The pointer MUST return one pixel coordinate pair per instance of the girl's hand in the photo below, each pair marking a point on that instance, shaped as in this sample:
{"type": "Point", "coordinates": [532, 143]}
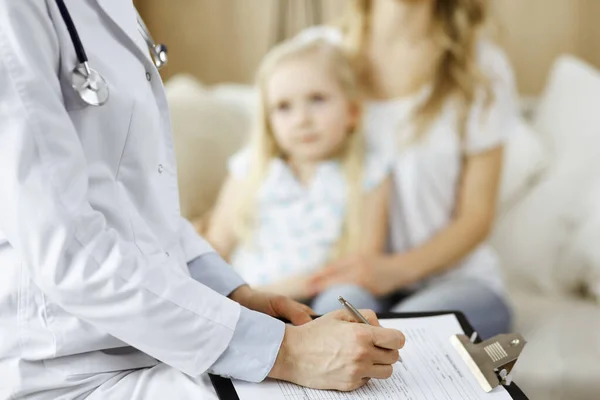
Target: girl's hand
{"type": "Point", "coordinates": [201, 224]}
{"type": "Point", "coordinates": [378, 274]}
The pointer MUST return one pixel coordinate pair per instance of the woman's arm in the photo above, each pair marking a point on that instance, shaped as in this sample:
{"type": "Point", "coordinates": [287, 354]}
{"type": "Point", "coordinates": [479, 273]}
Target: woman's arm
{"type": "Point", "coordinates": [219, 231]}
{"type": "Point", "coordinates": [475, 212]}
{"type": "Point", "coordinates": [473, 221]}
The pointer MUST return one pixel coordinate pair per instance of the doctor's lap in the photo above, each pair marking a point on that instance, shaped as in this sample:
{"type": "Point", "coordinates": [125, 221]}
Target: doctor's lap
{"type": "Point", "coordinates": [106, 291]}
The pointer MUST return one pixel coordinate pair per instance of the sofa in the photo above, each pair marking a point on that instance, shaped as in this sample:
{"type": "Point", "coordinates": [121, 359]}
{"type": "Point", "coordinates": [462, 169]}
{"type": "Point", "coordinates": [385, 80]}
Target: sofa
{"type": "Point", "coordinates": [547, 231]}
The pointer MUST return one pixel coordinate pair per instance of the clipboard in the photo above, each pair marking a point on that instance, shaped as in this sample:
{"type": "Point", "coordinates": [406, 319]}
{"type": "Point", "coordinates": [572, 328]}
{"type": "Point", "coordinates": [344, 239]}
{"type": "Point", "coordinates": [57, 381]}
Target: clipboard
{"type": "Point", "coordinates": [226, 391]}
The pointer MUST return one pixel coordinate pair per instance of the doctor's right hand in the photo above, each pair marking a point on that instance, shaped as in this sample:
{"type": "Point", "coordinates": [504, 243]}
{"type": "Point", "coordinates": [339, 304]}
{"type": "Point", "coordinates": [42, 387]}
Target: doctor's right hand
{"type": "Point", "coordinates": [335, 352]}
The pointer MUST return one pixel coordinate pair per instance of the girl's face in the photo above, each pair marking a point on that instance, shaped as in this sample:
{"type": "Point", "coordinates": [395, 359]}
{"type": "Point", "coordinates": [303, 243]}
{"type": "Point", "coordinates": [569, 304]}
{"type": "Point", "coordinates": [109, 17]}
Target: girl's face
{"type": "Point", "coordinates": [308, 111]}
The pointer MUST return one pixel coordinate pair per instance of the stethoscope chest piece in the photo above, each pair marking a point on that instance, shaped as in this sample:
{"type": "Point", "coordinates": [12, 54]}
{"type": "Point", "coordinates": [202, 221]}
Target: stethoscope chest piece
{"type": "Point", "coordinates": [87, 82]}
{"type": "Point", "coordinates": [90, 85]}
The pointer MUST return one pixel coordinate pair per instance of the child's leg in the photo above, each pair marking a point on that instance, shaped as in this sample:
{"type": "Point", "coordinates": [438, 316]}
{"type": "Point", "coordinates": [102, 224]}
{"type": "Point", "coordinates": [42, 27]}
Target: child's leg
{"type": "Point", "coordinates": [357, 296]}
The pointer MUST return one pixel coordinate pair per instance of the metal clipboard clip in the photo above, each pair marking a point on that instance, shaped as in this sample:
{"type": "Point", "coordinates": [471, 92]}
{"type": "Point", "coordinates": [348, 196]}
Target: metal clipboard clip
{"type": "Point", "coordinates": [492, 360]}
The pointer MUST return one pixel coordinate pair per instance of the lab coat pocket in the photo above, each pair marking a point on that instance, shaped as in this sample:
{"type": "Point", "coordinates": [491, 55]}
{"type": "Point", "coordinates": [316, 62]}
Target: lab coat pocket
{"type": "Point", "coordinates": [147, 182]}
{"type": "Point", "coordinates": [103, 133]}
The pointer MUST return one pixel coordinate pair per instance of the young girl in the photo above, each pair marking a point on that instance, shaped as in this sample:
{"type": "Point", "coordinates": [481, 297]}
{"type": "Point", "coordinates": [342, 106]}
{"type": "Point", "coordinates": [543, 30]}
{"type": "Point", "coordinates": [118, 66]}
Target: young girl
{"type": "Point", "coordinates": [303, 192]}
{"type": "Point", "coordinates": [441, 102]}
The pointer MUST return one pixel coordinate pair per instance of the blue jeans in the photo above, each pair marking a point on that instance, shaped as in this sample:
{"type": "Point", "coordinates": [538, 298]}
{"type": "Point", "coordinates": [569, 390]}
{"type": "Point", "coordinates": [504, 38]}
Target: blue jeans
{"type": "Point", "coordinates": [357, 296]}
{"type": "Point", "coordinates": [487, 312]}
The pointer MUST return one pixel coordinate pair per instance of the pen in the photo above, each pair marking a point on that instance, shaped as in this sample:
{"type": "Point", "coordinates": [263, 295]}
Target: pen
{"type": "Point", "coordinates": [356, 314]}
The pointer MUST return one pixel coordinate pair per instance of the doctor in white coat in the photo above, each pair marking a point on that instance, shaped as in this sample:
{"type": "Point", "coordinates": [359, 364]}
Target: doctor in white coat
{"type": "Point", "coordinates": [106, 292]}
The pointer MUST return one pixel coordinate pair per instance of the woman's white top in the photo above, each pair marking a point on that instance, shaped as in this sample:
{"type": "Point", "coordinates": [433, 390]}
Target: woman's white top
{"type": "Point", "coordinates": [297, 226]}
{"type": "Point", "coordinates": [426, 173]}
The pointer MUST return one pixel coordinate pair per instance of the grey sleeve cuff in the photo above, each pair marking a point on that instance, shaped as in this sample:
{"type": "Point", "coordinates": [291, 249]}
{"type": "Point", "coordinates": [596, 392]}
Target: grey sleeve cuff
{"type": "Point", "coordinates": [211, 270]}
{"type": "Point", "coordinates": [253, 349]}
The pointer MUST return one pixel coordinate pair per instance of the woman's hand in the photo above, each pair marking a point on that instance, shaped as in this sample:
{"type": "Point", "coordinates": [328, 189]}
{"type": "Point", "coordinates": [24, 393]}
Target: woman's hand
{"type": "Point", "coordinates": [378, 274]}
{"type": "Point", "coordinates": [335, 352]}
{"type": "Point", "coordinates": [272, 304]}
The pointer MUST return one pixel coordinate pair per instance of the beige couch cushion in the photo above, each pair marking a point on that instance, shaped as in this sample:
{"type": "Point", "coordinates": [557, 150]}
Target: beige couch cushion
{"type": "Point", "coordinates": [560, 360]}
{"type": "Point", "coordinates": [584, 246]}
{"type": "Point", "coordinates": [206, 131]}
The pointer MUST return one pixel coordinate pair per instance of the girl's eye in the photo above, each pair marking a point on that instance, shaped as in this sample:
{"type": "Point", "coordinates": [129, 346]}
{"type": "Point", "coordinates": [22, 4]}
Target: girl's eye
{"type": "Point", "coordinates": [318, 98]}
{"type": "Point", "coordinates": [283, 106]}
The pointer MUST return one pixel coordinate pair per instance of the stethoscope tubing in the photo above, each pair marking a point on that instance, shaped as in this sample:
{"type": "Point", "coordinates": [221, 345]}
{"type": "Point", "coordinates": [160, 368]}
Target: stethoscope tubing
{"type": "Point", "coordinates": [66, 16]}
{"type": "Point", "coordinates": [87, 82]}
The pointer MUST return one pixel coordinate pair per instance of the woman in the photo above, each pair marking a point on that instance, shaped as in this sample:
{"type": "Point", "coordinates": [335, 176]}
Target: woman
{"type": "Point", "coordinates": [441, 103]}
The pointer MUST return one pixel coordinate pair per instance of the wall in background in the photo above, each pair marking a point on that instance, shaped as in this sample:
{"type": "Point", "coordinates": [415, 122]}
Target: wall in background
{"type": "Point", "coordinates": [535, 32]}
{"type": "Point", "coordinates": [224, 40]}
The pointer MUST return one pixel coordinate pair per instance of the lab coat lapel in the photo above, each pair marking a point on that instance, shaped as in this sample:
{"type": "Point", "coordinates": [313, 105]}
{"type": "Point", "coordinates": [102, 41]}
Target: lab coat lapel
{"type": "Point", "coordinates": [123, 14]}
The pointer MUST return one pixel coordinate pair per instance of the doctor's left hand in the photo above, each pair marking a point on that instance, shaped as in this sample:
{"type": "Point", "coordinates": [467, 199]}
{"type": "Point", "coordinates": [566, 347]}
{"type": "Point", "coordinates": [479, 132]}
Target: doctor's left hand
{"type": "Point", "coordinates": [275, 305]}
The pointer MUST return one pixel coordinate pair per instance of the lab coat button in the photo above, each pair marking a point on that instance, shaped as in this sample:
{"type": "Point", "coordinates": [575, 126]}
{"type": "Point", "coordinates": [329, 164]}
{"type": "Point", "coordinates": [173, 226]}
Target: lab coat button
{"type": "Point", "coordinates": [160, 168]}
{"type": "Point", "coordinates": [148, 76]}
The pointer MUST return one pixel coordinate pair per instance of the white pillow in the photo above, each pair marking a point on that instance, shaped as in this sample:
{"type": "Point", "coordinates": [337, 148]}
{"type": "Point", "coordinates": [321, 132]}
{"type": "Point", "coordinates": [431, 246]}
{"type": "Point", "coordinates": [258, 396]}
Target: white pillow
{"type": "Point", "coordinates": [568, 115]}
{"type": "Point", "coordinates": [533, 238]}
{"type": "Point", "coordinates": [536, 238]}
{"type": "Point", "coordinates": [525, 158]}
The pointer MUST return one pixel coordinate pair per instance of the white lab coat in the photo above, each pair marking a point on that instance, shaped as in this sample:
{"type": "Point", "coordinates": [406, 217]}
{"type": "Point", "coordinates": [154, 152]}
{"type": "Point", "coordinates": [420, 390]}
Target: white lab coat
{"type": "Point", "coordinates": [93, 249]}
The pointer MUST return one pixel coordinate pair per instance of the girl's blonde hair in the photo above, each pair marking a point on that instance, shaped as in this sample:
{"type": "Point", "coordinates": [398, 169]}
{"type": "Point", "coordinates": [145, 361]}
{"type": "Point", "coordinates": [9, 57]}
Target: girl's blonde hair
{"type": "Point", "coordinates": [263, 147]}
{"type": "Point", "coordinates": [458, 25]}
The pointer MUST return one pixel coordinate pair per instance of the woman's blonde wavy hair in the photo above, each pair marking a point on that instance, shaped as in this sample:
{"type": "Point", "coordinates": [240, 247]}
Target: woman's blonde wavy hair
{"type": "Point", "coordinates": [263, 147]}
{"type": "Point", "coordinates": [458, 25]}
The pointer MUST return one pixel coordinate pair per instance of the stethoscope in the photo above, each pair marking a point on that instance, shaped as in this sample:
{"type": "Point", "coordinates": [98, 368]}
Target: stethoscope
{"type": "Point", "coordinates": [87, 82]}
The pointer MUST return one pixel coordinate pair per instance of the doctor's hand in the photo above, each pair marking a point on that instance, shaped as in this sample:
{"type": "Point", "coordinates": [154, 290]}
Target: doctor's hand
{"type": "Point", "coordinates": [334, 352]}
{"type": "Point", "coordinates": [272, 304]}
